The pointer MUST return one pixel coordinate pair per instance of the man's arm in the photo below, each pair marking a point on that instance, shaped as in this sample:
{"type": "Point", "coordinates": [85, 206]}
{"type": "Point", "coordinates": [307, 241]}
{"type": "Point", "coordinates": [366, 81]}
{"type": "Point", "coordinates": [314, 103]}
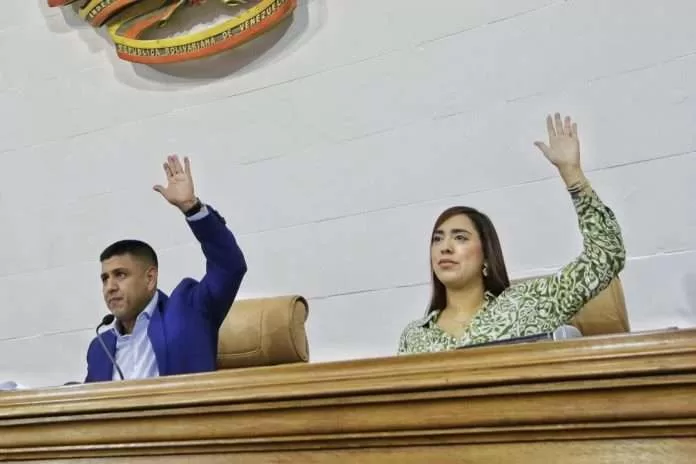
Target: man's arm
{"type": "Point", "coordinates": [225, 264]}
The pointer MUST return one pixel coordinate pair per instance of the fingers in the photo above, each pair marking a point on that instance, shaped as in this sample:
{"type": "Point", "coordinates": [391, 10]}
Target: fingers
{"type": "Point", "coordinates": [567, 128]}
{"type": "Point", "coordinates": [559, 124]}
{"type": "Point", "coordinates": [158, 188]}
{"type": "Point", "coordinates": [167, 170]}
{"type": "Point", "coordinates": [549, 126]}
{"type": "Point", "coordinates": [173, 166]}
{"type": "Point", "coordinates": [176, 164]}
{"type": "Point", "coordinates": [543, 147]}
{"type": "Point", "coordinates": [187, 166]}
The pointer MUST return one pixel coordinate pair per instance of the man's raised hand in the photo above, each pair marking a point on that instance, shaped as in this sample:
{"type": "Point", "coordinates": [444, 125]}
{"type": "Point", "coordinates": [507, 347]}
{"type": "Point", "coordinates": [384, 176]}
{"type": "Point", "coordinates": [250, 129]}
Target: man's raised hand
{"type": "Point", "coordinates": [179, 190]}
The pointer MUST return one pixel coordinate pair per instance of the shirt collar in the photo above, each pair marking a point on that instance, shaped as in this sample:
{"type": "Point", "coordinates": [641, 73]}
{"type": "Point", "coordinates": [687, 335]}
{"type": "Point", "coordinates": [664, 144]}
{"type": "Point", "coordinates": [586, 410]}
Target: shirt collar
{"type": "Point", "coordinates": [145, 314]}
{"type": "Point", "coordinates": [150, 308]}
{"type": "Point", "coordinates": [423, 321]}
{"type": "Point", "coordinates": [432, 315]}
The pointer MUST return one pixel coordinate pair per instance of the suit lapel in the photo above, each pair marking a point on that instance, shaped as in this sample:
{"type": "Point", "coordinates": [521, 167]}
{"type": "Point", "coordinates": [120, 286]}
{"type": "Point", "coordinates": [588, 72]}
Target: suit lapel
{"type": "Point", "coordinates": [157, 334]}
{"type": "Point", "coordinates": [103, 367]}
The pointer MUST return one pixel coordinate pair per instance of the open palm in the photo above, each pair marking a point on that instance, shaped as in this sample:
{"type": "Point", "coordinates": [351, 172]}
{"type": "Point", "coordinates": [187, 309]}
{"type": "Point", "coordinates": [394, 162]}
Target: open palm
{"type": "Point", "coordinates": [563, 149]}
{"type": "Point", "coordinates": [179, 190]}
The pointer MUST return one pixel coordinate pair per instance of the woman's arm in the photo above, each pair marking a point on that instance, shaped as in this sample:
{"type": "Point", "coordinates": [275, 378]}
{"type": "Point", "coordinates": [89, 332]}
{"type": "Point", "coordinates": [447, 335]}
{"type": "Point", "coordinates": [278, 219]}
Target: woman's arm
{"type": "Point", "coordinates": [544, 304]}
{"type": "Point", "coordinates": [603, 255]}
{"type": "Point", "coordinates": [402, 343]}
{"type": "Point", "coordinates": [602, 258]}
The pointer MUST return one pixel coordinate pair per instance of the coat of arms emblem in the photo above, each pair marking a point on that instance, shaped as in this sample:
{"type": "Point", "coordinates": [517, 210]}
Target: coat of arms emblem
{"type": "Point", "coordinates": [127, 21]}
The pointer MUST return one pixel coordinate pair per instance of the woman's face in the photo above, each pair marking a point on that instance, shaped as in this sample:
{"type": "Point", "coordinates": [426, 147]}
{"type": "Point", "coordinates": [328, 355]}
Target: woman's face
{"type": "Point", "coordinates": [456, 252]}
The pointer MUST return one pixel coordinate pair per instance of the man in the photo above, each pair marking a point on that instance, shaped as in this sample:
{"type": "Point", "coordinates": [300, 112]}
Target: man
{"type": "Point", "coordinates": [155, 334]}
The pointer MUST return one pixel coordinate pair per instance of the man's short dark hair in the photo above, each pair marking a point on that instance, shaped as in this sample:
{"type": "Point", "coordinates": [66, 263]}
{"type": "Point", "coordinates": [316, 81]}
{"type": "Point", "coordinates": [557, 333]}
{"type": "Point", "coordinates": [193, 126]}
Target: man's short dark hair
{"type": "Point", "coordinates": [136, 248]}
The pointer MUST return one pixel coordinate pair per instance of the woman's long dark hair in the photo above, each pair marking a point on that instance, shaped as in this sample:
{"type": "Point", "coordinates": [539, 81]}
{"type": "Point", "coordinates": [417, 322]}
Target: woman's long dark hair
{"type": "Point", "coordinates": [496, 280]}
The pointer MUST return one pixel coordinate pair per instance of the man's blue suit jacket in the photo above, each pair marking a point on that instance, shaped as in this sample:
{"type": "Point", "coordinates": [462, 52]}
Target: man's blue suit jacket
{"type": "Point", "coordinates": [184, 327]}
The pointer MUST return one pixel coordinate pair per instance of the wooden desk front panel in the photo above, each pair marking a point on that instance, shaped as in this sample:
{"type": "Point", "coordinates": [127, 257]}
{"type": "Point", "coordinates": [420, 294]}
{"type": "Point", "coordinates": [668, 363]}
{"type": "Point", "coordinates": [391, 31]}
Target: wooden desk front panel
{"type": "Point", "coordinates": [627, 398]}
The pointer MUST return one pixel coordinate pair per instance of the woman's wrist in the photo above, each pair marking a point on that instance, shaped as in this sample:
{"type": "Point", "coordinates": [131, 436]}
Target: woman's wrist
{"type": "Point", "coordinates": [572, 176]}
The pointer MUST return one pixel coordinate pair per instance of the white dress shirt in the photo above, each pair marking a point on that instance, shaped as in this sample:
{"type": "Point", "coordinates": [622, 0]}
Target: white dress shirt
{"type": "Point", "coordinates": [134, 353]}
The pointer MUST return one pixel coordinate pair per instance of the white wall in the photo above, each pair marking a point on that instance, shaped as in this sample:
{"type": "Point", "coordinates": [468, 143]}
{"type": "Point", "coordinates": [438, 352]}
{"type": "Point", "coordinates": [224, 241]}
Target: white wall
{"type": "Point", "coordinates": [330, 145]}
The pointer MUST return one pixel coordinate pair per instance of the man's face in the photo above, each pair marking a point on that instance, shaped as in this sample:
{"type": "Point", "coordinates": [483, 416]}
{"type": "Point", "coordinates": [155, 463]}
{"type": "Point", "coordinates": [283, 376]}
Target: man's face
{"type": "Point", "coordinates": [128, 284]}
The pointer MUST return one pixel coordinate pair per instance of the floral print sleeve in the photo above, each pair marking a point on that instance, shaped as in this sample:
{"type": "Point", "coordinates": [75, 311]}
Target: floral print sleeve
{"type": "Point", "coordinates": [542, 304]}
{"type": "Point", "coordinates": [402, 342]}
{"type": "Point", "coordinates": [555, 299]}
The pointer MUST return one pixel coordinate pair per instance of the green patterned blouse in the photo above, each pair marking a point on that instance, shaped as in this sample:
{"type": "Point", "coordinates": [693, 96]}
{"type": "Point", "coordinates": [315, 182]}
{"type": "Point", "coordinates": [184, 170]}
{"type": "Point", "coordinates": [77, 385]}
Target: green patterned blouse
{"type": "Point", "coordinates": [537, 305]}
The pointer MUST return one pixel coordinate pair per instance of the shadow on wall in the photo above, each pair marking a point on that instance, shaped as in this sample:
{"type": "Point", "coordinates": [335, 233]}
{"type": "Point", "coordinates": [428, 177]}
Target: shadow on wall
{"type": "Point", "coordinates": [280, 41]}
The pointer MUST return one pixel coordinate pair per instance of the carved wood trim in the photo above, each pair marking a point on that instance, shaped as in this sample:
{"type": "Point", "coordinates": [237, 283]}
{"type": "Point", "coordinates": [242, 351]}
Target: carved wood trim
{"type": "Point", "coordinates": [621, 387]}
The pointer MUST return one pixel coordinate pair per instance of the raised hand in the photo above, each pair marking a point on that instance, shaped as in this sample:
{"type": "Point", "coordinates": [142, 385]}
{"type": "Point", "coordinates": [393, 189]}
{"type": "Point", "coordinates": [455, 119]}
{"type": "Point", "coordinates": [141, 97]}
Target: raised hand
{"type": "Point", "coordinates": [179, 190]}
{"type": "Point", "coordinates": [563, 149]}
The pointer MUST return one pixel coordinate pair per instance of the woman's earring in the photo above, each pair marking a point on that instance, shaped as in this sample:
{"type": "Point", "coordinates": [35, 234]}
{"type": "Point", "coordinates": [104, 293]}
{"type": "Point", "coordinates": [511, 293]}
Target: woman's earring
{"type": "Point", "coordinates": [485, 270]}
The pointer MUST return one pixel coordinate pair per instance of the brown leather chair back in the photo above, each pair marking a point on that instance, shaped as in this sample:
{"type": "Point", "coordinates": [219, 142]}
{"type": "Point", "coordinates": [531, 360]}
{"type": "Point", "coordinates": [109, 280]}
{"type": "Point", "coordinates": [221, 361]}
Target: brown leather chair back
{"type": "Point", "coordinates": [264, 332]}
{"type": "Point", "coordinates": [605, 313]}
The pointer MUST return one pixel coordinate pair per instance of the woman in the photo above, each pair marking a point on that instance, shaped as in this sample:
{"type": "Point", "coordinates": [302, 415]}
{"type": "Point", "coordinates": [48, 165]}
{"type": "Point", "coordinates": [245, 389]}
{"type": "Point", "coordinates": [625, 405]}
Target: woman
{"type": "Point", "coordinates": [472, 300]}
